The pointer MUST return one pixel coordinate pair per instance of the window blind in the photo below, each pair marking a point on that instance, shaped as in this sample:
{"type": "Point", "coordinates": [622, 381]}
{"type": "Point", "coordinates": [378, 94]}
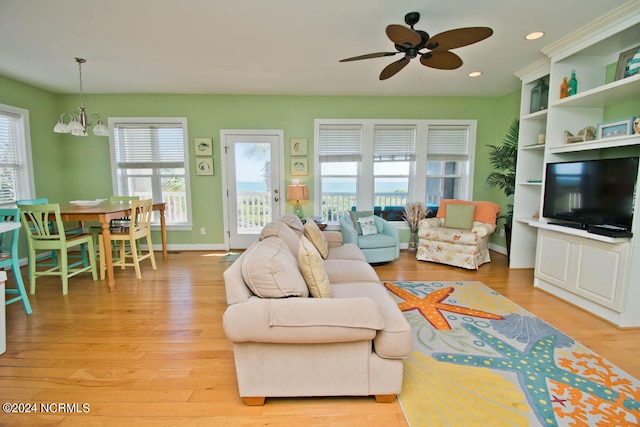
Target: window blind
{"type": "Point", "coordinates": [340, 143]}
{"type": "Point", "coordinates": [394, 143]}
{"type": "Point", "coordinates": [137, 145]}
{"type": "Point", "coordinates": [12, 157]}
{"type": "Point", "coordinates": [448, 143]}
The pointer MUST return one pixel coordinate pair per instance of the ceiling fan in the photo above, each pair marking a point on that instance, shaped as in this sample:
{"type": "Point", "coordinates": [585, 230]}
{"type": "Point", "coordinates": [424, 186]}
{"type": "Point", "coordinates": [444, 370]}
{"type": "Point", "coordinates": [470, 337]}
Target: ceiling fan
{"type": "Point", "coordinates": [411, 42]}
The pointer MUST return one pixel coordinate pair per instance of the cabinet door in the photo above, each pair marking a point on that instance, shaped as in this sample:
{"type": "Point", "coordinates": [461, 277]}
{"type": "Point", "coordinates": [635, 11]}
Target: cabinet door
{"type": "Point", "coordinates": [553, 260]}
{"type": "Point", "coordinates": [599, 272]}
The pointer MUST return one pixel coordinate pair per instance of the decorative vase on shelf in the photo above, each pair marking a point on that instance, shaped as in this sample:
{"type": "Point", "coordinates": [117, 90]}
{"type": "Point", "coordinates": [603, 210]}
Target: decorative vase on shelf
{"type": "Point", "coordinates": [564, 88]}
{"type": "Point", "coordinates": [573, 83]}
{"type": "Point", "coordinates": [413, 241]}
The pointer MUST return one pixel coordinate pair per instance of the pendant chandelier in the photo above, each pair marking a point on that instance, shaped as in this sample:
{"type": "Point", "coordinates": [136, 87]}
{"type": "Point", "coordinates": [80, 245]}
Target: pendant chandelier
{"type": "Point", "coordinates": [78, 120]}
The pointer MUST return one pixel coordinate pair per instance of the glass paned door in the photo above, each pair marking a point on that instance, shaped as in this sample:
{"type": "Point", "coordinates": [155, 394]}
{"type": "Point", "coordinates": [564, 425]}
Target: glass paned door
{"type": "Point", "coordinates": [253, 185]}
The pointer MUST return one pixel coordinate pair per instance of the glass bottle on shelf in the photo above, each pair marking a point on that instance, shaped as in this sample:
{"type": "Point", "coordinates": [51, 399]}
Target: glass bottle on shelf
{"type": "Point", "coordinates": [573, 83]}
{"type": "Point", "coordinates": [564, 88]}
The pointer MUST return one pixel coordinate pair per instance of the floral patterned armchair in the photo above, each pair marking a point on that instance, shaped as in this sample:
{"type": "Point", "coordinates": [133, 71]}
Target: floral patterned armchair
{"type": "Point", "coordinates": [460, 247]}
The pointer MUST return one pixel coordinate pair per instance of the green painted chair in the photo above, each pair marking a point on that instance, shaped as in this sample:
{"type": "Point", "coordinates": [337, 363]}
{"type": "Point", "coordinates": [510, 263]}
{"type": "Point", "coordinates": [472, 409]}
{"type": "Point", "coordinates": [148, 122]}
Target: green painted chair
{"type": "Point", "coordinates": [9, 258]}
{"type": "Point", "coordinates": [40, 236]}
{"type": "Point", "coordinates": [52, 254]}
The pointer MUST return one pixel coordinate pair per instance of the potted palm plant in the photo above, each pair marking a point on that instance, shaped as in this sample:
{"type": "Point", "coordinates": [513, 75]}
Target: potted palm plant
{"type": "Point", "coordinates": [503, 158]}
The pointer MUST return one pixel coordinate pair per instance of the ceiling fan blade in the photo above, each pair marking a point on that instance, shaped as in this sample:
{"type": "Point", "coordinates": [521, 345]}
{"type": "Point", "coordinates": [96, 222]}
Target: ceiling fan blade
{"type": "Point", "coordinates": [368, 56]}
{"type": "Point", "coordinates": [453, 39]}
{"type": "Point", "coordinates": [442, 60]}
{"type": "Point", "coordinates": [403, 36]}
{"type": "Point", "coordinates": [391, 69]}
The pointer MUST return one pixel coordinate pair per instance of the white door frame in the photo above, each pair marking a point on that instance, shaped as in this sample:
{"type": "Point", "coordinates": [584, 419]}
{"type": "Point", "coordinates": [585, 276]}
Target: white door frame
{"type": "Point", "coordinates": [223, 148]}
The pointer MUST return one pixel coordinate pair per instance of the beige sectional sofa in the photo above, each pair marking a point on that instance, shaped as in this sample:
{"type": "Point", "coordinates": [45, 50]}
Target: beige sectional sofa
{"type": "Point", "coordinates": [308, 316]}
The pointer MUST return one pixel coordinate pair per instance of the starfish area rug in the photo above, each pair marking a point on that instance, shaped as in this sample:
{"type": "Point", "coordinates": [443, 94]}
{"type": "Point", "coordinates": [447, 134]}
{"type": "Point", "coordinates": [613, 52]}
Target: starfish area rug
{"type": "Point", "coordinates": [479, 359]}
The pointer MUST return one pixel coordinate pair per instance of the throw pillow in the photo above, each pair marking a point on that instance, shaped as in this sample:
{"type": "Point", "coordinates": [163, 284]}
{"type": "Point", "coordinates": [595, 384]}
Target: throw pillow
{"type": "Point", "coordinates": [313, 233]}
{"type": "Point", "coordinates": [293, 222]}
{"type": "Point", "coordinates": [486, 212]}
{"type": "Point", "coordinates": [354, 218]}
{"type": "Point", "coordinates": [368, 225]}
{"type": "Point", "coordinates": [312, 269]}
{"type": "Point", "coordinates": [283, 231]}
{"type": "Point", "coordinates": [460, 216]}
{"type": "Point", "coordinates": [271, 271]}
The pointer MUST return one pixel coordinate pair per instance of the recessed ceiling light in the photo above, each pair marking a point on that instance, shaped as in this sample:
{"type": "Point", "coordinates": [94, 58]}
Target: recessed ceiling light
{"type": "Point", "coordinates": [475, 73]}
{"type": "Point", "coordinates": [534, 36]}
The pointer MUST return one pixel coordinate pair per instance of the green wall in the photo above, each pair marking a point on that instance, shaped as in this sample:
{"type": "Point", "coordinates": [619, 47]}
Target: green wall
{"type": "Point", "coordinates": [69, 168]}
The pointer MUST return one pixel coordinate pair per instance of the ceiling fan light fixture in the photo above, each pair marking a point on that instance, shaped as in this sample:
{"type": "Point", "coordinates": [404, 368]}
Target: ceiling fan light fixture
{"type": "Point", "coordinates": [534, 35]}
{"type": "Point", "coordinates": [475, 74]}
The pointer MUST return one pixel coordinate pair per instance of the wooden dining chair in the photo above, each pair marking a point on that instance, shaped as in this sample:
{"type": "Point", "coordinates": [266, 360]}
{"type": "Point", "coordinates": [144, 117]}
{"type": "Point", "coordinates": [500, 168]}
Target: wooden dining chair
{"type": "Point", "coordinates": [128, 237]}
{"type": "Point", "coordinates": [41, 236]}
{"type": "Point", "coordinates": [52, 254]}
{"type": "Point", "coordinates": [9, 258]}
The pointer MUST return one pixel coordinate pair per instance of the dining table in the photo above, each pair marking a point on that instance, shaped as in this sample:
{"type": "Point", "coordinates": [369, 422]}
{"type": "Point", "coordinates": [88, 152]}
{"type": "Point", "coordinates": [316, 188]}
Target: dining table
{"type": "Point", "coordinates": [104, 213]}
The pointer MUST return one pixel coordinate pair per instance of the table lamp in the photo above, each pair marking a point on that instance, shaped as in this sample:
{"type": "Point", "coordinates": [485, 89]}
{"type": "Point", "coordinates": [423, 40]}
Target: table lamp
{"type": "Point", "coordinates": [297, 192]}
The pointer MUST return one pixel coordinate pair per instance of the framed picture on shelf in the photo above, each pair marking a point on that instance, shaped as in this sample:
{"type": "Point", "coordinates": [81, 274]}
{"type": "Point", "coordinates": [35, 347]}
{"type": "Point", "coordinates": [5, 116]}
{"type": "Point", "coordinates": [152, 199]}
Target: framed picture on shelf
{"type": "Point", "coordinates": [204, 166]}
{"type": "Point", "coordinates": [203, 146]}
{"type": "Point", "coordinates": [628, 63]}
{"type": "Point", "coordinates": [299, 167]}
{"type": "Point", "coordinates": [615, 128]}
{"type": "Point", "coordinates": [298, 146]}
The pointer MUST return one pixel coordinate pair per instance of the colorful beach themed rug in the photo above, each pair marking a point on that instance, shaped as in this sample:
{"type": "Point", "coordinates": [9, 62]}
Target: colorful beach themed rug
{"type": "Point", "coordinates": [479, 359]}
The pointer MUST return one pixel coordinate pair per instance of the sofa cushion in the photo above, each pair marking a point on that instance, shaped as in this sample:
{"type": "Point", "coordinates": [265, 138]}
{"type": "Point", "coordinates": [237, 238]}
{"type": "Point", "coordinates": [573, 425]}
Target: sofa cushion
{"type": "Point", "coordinates": [349, 271]}
{"type": "Point", "coordinates": [460, 216]}
{"type": "Point", "coordinates": [283, 231]}
{"type": "Point", "coordinates": [346, 251]}
{"type": "Point", "coordinates": [486, 212]}
{"type": "Point", "coordinates": [396, 338]}
{"type": "Point", "coordinates": [376, 241]}
{"type": "Point", "coordinates": [312, 269]}
{"type": "Point", "coordinates": [293, 222]}
{"type": "Point", "coordinates": [313, 233]}
{"type": "Point", "coordinates": [270, 270]}
{"type": "Point", "coordinates": [368, 225]}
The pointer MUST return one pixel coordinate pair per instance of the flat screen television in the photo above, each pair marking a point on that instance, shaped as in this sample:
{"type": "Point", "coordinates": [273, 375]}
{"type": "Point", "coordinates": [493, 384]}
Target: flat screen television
{"type": "Point", "coordinates": [591, 192]}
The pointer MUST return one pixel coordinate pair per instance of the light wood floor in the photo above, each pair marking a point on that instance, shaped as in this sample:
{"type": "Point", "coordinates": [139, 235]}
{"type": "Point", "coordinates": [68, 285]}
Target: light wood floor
{"type": "Point", "coordinates": [153, 353]}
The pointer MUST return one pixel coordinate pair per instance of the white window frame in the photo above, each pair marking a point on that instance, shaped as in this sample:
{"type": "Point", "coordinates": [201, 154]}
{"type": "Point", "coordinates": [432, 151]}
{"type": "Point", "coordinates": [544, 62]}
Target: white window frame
{"type": "Point", "coordinates": [418, 178]}
{"type": "Point", "coordinates": [182, 121]}
{"type": "Point", "coordinates": [26, 188]}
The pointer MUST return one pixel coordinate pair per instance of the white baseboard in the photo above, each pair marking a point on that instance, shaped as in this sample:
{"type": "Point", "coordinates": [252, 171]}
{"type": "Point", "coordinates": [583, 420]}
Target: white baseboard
{"type": "Point", "coordinates": [500, 249]}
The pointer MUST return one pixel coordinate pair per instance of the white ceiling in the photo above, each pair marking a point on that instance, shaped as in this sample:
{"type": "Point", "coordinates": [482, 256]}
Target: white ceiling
{"type": "Point", "coordinates": [271, 46]}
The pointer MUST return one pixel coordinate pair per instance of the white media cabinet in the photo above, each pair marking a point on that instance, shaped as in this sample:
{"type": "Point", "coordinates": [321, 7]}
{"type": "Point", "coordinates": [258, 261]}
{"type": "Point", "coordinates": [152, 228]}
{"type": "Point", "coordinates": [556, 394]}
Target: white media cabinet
{"type": "Point", "coordinates": [597, 273]}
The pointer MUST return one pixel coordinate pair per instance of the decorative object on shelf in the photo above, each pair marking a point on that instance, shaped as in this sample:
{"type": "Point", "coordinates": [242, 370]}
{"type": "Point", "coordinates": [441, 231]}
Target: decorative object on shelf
{"type": "Point", "coordinates": [573, 83]}
{"type": "Point", "coordinates": [203, 146]}
{"type": "Point", "coordinates": [539, 97]}
{"type": "Point", "coordinates": [503, 158]}
{"type": "Point", "coordinates": [297, 192]}
{"type": "Point", "coordinates": [628, 63]}
{"type": "Point", "coordinates": [204, 166]}
{"type": "Point", "coordinates": [615, 128]}
{"type": "Point", "coordinates": [586, 134]}
{"type": "Point", "coordinates": [541, 138]}
{"type": "Point", "coordinates": [78, 121]}
{"type": "Point", "coordinates": [564, 88]}
{"type": "Point", "coordinates": [636, 126]}
{"type": "Point", "coordinates": [414, 212]}
{"type": "Point", "coordinates": [298, 146]}
{"type": "Point", "coordinates": [299, 167]}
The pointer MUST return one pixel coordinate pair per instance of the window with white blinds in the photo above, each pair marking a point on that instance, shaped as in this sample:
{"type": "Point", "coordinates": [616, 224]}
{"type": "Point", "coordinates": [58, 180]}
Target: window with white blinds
{"type": "Point", "coordinates": [448, 142]}
{"type": "Point", "coordinates": [340, 143]}
{"type": "Point", "coordinates": [149, 160]}
{"type": "Point", "coordinates": [16, 178]}
{"type": "Point", "coordinates": [381, 164]}
{"type": "Point", "coordinates": [394, 143]}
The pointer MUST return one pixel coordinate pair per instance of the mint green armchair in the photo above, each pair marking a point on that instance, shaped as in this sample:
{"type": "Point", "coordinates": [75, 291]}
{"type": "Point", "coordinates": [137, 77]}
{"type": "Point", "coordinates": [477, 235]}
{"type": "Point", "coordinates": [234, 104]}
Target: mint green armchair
{"type": "Point", "coordinates": [384, 246]}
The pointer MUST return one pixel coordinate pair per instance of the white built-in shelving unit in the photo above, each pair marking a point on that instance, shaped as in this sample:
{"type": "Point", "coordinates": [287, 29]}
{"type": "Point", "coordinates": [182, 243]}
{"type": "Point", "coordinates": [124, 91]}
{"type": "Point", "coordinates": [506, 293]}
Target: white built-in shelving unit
{"type": "Point", "coordinates": [597, 273]}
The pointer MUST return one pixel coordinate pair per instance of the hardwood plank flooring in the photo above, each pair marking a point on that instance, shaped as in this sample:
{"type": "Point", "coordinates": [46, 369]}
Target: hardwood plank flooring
{"type": "Point", "coordinates": [153, 352]}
